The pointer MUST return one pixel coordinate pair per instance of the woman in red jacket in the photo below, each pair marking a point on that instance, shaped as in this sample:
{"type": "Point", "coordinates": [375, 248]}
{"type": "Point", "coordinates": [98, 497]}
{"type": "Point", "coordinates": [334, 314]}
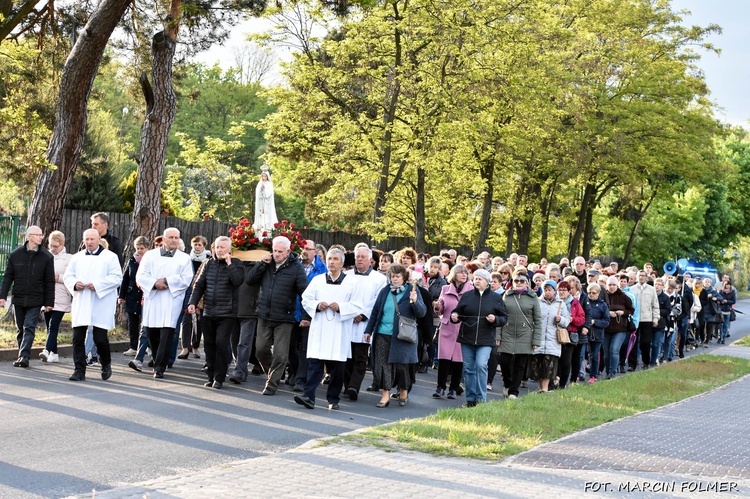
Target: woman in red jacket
{"type": "Point", "coordinates": [577, 319]}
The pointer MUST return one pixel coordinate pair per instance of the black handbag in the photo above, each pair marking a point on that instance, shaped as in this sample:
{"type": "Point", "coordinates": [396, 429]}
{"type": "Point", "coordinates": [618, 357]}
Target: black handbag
{"type": "Point", "coordinates": [407, 328]}
{"type": "Point", "coordinates": [573, 338]}
{"type": "Point", "coordinates": [631, 324]}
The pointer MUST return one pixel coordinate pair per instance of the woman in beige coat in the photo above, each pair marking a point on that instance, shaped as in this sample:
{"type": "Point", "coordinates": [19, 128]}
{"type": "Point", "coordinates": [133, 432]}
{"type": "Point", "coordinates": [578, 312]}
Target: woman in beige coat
{"type": "Point", "coordinates": [63, 297]}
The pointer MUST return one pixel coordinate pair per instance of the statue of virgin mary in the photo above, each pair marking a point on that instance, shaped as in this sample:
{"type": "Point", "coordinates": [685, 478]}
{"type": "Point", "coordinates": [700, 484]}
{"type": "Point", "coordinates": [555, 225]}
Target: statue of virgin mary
{"type": "Point", "coordinates": [265, 210]}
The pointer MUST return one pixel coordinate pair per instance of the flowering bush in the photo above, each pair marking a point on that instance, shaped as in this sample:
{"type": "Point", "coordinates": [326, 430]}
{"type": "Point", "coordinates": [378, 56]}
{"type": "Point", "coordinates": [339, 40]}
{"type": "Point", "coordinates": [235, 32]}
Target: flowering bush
{"type": "Point", "coordinates": [244, 237]}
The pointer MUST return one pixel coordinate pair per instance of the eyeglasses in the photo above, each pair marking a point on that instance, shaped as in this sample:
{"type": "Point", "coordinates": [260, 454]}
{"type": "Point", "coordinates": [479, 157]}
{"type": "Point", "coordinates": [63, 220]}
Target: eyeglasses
{"type": "Point", "coordinates": [504, 273]}
{"type": "Point", "coordinates": [40, 235]}
{"type": "Point", "coordinates": [519, 280]}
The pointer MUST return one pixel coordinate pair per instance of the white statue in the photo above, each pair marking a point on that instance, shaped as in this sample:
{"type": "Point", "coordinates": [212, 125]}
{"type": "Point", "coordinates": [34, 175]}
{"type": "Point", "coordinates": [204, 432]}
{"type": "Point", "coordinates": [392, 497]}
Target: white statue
{"type": "Point", "coordinates": [265, 209]}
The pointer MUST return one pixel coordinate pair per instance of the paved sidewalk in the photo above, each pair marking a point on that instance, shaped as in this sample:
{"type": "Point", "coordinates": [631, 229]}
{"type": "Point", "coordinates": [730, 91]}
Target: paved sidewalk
{"type": "Point", "coordinates": [700, 445]}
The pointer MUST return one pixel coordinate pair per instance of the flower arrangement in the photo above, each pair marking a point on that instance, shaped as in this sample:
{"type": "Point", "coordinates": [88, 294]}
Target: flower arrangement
{"type": "Point", "coordinates": [244, 237]}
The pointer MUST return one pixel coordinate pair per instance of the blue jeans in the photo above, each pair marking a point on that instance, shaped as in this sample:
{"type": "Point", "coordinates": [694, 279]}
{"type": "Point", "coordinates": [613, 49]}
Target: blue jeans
{"type": "Point", "coordinates": [142, 346]}
{"type": "Point", "coordinates": [657, 343]}
{"type": "Point", "coordinates": [725, 326]}
{"type": "Point", "coordinates": [594, 348]}
{"type": "Point", "coordinates": [90, 345]}
{"type": "Point", "coordinates": [52, 320]}
{"type": "Point", "coordinates": [612, 344]}
{"type": "Point", "coordinates": [475, 371]}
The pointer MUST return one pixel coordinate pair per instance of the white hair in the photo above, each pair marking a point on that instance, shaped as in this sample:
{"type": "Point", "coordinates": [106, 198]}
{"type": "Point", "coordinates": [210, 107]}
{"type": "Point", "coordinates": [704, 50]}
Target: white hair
{"type": "Point", "coordinates": [363, 248]}
{"type": "Point", "coordinates": [283, 241]}
{"type": "Point", "coordinates": [337, 252]}
{"type": "Point", "coordinates": [224, 239]}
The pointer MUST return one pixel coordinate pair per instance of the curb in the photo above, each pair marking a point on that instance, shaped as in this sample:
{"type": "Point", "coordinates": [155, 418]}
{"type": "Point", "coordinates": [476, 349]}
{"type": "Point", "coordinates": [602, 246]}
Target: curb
{"type": "Point", "coordinates": [11, 354]}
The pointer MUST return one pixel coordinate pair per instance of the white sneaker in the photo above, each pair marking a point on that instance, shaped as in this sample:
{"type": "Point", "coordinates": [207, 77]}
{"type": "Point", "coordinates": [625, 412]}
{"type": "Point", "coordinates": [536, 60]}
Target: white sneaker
{"type": "Point", "coordinates": [44, 354]}
{"type": "Point", "coordinates": [53, 357]}
{"type": "Point", "coordinates": [130, 352]}
{"type": "Point", "coordinates": [489, 387]}
{"type": "Point", "coordinates": [512, 397]}
{"type": "Point", "coordinates": [136, 364]}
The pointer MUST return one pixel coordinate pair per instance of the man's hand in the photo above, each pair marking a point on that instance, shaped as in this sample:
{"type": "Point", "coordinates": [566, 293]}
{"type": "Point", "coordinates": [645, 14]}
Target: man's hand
{"type": "Point", "coordinates": [121, 300]}
{"type": "Point", "coordinates": [367, 338]}
{"type": "Point", "coordinates": [322, 306]}
{"type": "Point", "coordinates": [161, 284]}
{"type": "Point", "coordinates": [191, 309]}
{"type": "Point", "coordinates": [359, 319]}
{"type": "Point", "coordinates": [491, 318]}
{"type": "Point", "coordinates": [90, 286]}
{"type": "Point", "coordinates": [79, 286]}
{"type": "Point", "coordinates": [48, 309]}
{"type": "Point", "coordinates": [267, 259]}
{"type": "Point", "coordinates": [304, 323]}
{"type": "Point", "coordinates": [228, 259]}
{"type": "Point", "coordinates": [655, 323]}
{"type": "Point", "coordinates": [334, 306]}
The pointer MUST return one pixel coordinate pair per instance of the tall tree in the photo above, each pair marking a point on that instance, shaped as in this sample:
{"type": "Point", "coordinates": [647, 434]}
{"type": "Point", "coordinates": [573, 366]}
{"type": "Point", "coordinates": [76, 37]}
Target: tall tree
{"type": "Point", "coordinates": [65, 147]}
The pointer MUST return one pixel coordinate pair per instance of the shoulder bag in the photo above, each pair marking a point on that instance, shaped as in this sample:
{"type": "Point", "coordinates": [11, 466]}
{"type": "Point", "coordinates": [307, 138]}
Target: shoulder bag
{"type": "Point", "coordinates": [407, 328]}
{"type": "Point", "coordinates": [563, 337]}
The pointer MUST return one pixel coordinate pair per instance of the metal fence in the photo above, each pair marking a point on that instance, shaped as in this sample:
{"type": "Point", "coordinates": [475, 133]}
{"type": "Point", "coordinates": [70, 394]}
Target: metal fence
{"type": "Point", "coordinates": [10, 226]}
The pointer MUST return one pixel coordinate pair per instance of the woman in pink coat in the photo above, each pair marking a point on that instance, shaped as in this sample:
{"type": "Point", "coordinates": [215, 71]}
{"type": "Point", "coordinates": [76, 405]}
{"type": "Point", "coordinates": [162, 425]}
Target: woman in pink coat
{"type": "Point", "coordinates": [450, 361]}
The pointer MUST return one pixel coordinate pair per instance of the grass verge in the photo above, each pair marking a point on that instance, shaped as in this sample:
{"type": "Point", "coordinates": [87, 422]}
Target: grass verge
{"type": "Point", "coordinates": [501, 428]}
{"type": "Point", "coordinates": [744, 342]}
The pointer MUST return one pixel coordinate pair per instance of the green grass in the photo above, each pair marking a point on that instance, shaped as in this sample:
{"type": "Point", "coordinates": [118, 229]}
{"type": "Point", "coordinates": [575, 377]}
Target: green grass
{"type": "Point", "coordinates": [744, 342]}
{"type": "Point", "coordinates": [501, 428]}
{"type": "Point", "coordinates": [8, 333]}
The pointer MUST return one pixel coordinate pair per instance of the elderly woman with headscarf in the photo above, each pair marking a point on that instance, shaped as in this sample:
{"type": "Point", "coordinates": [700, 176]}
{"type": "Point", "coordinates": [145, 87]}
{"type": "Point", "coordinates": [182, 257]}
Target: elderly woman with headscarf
{"type": "Point", "coordinates": [620, 308]}
{"type": "Point", "coordinates": [481, 312]}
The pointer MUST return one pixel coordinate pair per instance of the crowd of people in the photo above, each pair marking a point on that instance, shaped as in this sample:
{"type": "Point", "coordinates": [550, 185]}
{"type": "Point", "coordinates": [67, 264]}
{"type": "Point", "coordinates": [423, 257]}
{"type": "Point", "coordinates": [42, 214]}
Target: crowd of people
{"type": "Point", "coordinates": [328, 315]}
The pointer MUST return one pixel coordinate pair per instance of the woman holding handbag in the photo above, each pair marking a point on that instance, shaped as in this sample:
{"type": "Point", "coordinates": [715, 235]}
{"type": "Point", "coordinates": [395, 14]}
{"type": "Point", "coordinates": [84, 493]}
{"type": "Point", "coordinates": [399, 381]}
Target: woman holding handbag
{"type": "Point", "coordinates": [571, 351]}
{"type": "Point", "coordinates": [391, 355]}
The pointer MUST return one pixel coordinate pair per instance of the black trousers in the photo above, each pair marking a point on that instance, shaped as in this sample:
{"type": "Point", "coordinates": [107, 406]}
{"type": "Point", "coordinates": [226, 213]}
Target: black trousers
{"type": "Point", "coordinates": [356, 366]}
{"type": "Point", "coordinates": [79, 347]}
{"type": "Point", "coordinates": [645, 333]}
{"type": "Point", "coordinates": [513, 368]}
{"type": "Point", "coordinates": [455, 369]}
{"type": "Point", "coordinates": [565, 363]}
{"type": "Point", "coordinates": [217, 333]}
{"type": "Point", "coordinates": [160, 339]}
{"type": "Point", "coordinates": [134, 329]}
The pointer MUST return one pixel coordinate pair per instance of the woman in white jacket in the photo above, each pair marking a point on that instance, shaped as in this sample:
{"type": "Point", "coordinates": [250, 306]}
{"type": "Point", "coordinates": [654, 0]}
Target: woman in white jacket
{"type": "Point", "coordinates": [52, 318]}
{"type": "Point", "coordinates": [543, 366]}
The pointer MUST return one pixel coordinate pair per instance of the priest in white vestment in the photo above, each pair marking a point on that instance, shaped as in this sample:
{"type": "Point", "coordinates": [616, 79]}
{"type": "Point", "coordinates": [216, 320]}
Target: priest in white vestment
{"type": "Point", "coordinates": [164, 275]}
{"type": "Point", "coordinates": [92, 277]}
{"type": "Point", "coordinates": [367, 285]}
{"type": "Point", "coordinates": [327, 300]}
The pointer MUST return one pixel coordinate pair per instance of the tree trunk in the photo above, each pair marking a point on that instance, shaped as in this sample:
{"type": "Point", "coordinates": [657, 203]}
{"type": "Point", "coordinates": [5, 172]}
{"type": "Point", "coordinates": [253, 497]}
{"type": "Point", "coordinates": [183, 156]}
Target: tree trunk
{"type": "Point", "coordinates": [509, 238]}
{"type": "Point", "coordinates": [488, 177]}
{"type": "Point", "coordinates": [160, 114]}
{"type": "Point", "coordinates": [633, 233]}
{"type": "Point", "coordinates": [588, 233]}
{"type": "Point", "coordinates": [575, 241]}
{"type": "Point", "coordinates": [546, 207]}
{"type": "Point", "coordinates": [420, 239]}
{"type": "Point", "coordinates": [64, 150]}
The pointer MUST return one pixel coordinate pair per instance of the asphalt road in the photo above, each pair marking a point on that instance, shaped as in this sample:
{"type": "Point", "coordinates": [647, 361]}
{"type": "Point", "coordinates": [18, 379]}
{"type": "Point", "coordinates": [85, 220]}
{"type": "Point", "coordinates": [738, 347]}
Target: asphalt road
{"type": "Point", "coordinates": [61, 438]}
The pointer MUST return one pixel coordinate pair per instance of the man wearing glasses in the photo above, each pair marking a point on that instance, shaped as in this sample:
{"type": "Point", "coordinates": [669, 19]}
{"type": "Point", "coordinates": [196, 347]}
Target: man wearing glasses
{"type": "Point", "coordinates": [31, 271]}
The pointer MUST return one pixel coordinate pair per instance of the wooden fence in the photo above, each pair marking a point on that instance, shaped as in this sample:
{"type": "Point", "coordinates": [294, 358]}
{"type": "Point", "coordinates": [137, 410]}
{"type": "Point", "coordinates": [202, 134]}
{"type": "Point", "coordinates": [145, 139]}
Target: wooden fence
{"type": "Point", "coordinates": [74, 222]}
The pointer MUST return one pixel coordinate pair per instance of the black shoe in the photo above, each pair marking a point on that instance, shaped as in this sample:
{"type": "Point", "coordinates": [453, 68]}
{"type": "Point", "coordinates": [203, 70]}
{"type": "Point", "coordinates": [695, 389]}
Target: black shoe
{"type": "Point", "coordinates": [183, 356]}
{"type": "Point", "coordinates": [682, 355]}
{"type": "Point", "coordinates": [77, 376]}
{"type": "Point", "coordinates": [470, 403]}
{"type": "Point", "coordinates": [218, 384]}
{"type": "Point", "coordinates": [302, 400]}
{"type": "Point", "coordinates": [158, 374]}
{"type": "Point", "coordinates": [209, 383]}
{"type": "Point", "coordinates": [235, 379]}
{"type": "Point", "coordinates": [371, 389]}
{"type": "Point", "coordinates": [327, 379]}
{"type": "Point", "coordinates": [204, 368]}
{"type": "Point", "coordinates": [352, 393]}
{"type": "Point", "coordinates": [269, 391]}
{"type": "Point", "coordinates": [256, 371]}
{"type": "Point", "coordinates": [169, 365]}
{"type": "Point", "coordinates": [402, 402]}
{"type": "Point", "coordinates": [21, 362]}
{"type": "Point", "coordinates": [383, 404]}
{"type": "Point", "coordinates": [334, 406]}
{"type": "Point", "coordinates": [422, 369]}
{"type": "Point", "coordinates": [299, 387]}
{"type": "Point", "coordinates": [151, 363]}
{"type": "Point", "coordinates": [106, 372]}
{"type": "Point", "coordinates": [459, 390]}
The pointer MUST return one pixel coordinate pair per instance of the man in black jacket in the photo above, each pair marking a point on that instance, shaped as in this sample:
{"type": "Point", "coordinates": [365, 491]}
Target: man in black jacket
{"type": "Point", "coordinates": [282, 278]}
{"type": "Point", "coordinates": [218, 283]}
{"type": "Point", "coordinates": [31, 271]}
